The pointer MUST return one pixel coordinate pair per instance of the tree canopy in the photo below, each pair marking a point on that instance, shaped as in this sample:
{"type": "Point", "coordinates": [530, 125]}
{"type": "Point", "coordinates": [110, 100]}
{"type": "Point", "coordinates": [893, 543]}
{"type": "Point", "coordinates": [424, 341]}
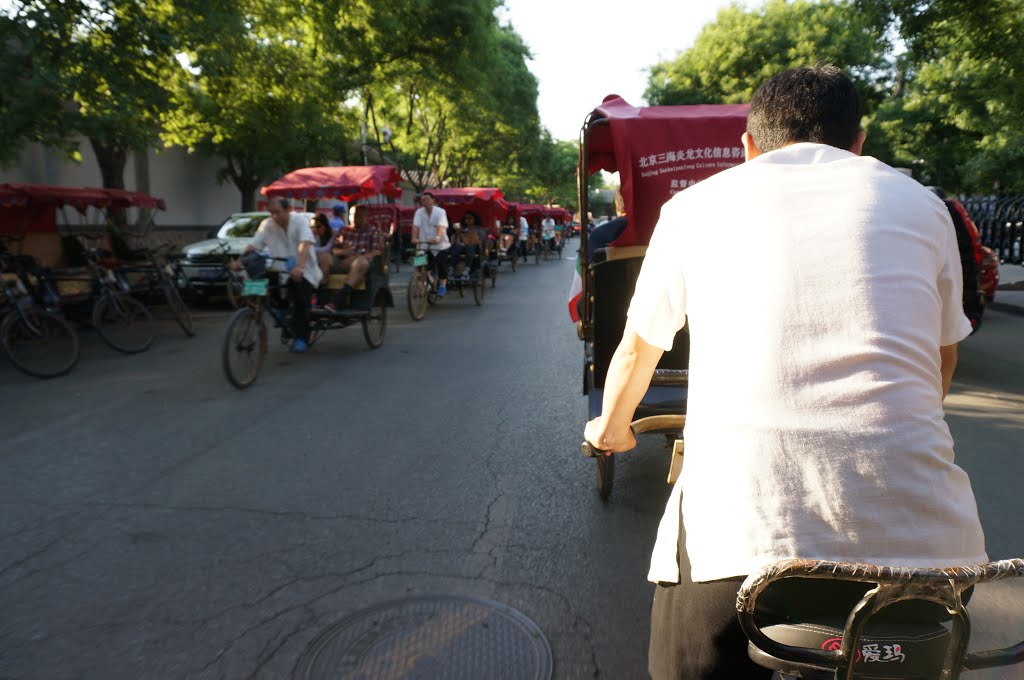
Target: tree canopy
{"type": "Point", "coordinates": [440, 88]}
{"type": "Point", "coordinates": [940, 78]}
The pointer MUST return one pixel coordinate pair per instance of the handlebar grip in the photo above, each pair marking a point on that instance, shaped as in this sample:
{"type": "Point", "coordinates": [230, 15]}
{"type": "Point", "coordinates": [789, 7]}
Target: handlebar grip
{"type": "Point", "coordinates": [591, 451]}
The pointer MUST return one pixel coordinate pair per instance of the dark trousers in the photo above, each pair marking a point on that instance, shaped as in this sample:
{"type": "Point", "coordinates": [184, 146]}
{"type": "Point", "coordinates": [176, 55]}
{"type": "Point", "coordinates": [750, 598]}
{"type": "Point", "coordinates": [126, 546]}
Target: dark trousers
{"type": "Point", "coordinates": [441, 262]}
{"type": "Point", "coordinates": [470, 252]}
{"type": "Point", "coordinates": [301, 295]}
{"type": "Point", "coordinates": [696, 635]}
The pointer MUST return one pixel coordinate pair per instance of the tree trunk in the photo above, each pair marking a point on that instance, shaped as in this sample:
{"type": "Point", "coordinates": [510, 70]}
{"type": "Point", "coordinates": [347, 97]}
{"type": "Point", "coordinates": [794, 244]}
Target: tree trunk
{"type": "Point", "coordinates": [247, 186]}
{"type": "Point", "coordinates": [111, 160]}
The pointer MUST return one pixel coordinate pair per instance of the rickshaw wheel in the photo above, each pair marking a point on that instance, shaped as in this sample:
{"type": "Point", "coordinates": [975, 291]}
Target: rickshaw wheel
{"type": "Point", "coordinates": [375, 325]}
{"type": "Point", "coordinates": [515, 263]}
{"type": "Point", "coordinates": [245, 345]}
{"type": "Point", "coordinates": [416, 296]}
{"type": "Point", "coordinates": [536, 255]}
{"type": "Point", "coordinates": [605, 476]}
{"type": "Point", "coordinates": [38, 343]}
{"type": "Point", "coordinates": [494, 277]}
{"type": "Point", "coordinates": [123, 322]}
{"type": "Point", "coordinates": [478, 290]}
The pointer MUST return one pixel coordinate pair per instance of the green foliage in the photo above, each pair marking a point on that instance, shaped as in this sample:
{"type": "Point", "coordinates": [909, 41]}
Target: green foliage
{"type": "Point", "coordinates": [733, 55]}
{"type": "Point", "coordinates": [93, 67]}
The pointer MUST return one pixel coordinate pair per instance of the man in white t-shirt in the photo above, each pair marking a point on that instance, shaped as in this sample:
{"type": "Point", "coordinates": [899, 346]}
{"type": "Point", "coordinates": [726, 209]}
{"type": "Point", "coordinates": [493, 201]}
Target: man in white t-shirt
{"type": "Point", "coordinates": [814, 418]}
{"type": "Point", "coordinates": [524, 236]}
{"type": "Point", "coordinates": [430, 227]}
{"type": "Point", "coordinates": [288, 235]}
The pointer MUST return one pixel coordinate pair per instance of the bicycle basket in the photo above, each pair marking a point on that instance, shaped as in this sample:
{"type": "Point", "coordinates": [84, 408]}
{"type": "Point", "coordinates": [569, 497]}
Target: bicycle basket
{"type": "Point", "coordinates": [255, 265]}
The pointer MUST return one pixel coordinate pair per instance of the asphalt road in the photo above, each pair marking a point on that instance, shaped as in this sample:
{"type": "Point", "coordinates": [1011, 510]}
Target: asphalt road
{"type": "Point", "coordinates": [157, 523]}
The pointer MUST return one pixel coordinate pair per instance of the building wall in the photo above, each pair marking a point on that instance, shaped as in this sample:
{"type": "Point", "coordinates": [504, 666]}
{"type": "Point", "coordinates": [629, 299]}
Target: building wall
{"type": "Point", "coordinates": [187, 182]}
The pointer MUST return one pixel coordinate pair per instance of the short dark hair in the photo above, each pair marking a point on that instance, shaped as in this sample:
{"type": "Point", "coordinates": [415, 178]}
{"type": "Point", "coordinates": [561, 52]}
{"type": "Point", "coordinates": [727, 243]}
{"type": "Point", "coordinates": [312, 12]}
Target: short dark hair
{"type": "Point", "coordinates": [282, 202]}
{"type": "Point", "coordinates": [806, 104]}
{"type": "Point", "coordinates": [427, 193]}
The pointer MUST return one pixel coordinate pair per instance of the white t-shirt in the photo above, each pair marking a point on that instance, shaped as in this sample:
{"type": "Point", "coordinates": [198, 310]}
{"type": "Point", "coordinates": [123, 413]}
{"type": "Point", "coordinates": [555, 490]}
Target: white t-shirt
{"type": "Point", "coordinates": [524, 229]}
{"type": "Point", "coordinates": [547, 226]}
{"type": "Point", "coordinates": [426, 227]}
{"type": "Point", "coordinates": [285, 243]}
{"type": "Point", "coordinates": [814, 423]}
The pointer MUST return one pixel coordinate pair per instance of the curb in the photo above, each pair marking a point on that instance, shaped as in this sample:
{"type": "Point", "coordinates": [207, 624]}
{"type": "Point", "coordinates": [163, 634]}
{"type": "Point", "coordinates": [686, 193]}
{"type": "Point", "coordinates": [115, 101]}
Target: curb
{"type": "Point", "coordinates": [1016, 310]}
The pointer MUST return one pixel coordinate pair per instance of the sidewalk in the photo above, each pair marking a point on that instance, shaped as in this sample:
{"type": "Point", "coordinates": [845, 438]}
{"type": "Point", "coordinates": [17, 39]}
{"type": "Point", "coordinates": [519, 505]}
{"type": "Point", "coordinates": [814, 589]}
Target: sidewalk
{"type": "Point", "coordinates": [1010, 294]}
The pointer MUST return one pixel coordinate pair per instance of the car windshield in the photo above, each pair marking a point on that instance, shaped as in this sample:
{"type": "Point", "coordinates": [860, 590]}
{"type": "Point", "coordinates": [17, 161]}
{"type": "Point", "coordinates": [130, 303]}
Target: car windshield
{"type": "Point", "coordinates": [240, 226]}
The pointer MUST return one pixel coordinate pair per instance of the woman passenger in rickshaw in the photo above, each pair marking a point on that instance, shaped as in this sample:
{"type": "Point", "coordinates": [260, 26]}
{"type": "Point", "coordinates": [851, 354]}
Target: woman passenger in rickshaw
{"type": "Point", "coordinates": [353, 252]}
{"type": "Point", "coordinates": [469, 239]}
{"type": "Point", "coordinates": [325, 236]}
{"type": "Point", "coordinates": [509, 238]}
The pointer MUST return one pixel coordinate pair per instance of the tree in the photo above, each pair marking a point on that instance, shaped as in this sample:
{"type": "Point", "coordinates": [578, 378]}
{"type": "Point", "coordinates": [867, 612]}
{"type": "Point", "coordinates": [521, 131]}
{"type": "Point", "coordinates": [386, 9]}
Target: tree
{"type": "Point", "coordinates": [106, 62]}
{"type": "Point", "coordinates": [742, 48]}
{"type": "Point", "coordinates": [956, 115]}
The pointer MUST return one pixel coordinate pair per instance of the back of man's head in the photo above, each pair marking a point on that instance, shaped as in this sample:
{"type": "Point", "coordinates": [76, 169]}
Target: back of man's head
{"type": "Point", "coordinates": [806, 104]}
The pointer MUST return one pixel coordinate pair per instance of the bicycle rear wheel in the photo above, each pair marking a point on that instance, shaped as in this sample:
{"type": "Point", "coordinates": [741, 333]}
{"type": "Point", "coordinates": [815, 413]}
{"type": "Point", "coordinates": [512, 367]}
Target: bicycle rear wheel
{"type": "Point", "coordinates": [39, 343]}
{"type": "Point", "coordinates": [245, 345]}
{"type": "Point", "coordinates": [178, 306]}
{"type": "Point", "coordinates": [416, 296]}
{"type": "Point", "coordinates": [123, 322]}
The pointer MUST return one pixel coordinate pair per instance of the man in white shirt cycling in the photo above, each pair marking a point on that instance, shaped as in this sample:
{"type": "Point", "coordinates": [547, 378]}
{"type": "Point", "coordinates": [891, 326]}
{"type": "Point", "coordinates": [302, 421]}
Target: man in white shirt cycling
{"type": "Point", "coordinates": [286, 234]}
{"type": "Point", "coordinates": [814, 426]}
{"type": "Point", "coordinates": [430, 231]}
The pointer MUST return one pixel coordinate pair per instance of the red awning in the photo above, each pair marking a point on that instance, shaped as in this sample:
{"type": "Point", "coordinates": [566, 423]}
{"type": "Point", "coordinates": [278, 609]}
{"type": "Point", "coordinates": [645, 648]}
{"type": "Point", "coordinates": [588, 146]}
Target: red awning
{"type": "Point", "coordinates": [659, 151]}
{"type": "Point", "coordinates": [406, 213]}
{"type": "Point", "coordinates": [382, 215]}
{"type": "Point", "coordinates": [346, 183]}
{"type": "Point", "coordinates": [487, 203]}
{"type": "Point", "coordinates": [80, 198]}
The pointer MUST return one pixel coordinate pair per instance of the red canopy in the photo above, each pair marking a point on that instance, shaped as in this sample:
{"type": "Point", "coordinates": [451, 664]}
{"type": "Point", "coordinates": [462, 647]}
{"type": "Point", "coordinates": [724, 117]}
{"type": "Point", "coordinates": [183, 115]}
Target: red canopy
{"type": "Point", "coordinates": [79, 198]}
{"type": "Point", "coordinates": [347, 183]}
{"type": "Point", "coordinates": [659, 151]}
{"type": "Point", "coordinates": [488, 204]}
{"type": "Point", "coordinates": [382, 215]}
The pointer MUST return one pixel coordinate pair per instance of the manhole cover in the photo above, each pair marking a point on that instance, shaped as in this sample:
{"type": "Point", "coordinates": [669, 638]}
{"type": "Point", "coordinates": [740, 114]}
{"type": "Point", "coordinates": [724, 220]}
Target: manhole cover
{"type": "Point", "coordinates": [430, 638]}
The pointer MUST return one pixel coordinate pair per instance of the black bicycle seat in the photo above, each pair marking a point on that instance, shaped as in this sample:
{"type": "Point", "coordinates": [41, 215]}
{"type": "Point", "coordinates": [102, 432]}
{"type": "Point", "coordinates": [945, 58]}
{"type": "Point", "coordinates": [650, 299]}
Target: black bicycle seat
{"type": "Point", "coordinates": [886, 650]}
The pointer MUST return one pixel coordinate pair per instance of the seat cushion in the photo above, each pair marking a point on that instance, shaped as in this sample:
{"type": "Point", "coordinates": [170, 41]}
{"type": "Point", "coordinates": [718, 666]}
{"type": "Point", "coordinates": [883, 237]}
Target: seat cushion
{"type": "Point", "coordinates": [886, 650]}
{"type": "Point", "coordinates": [337, 281]}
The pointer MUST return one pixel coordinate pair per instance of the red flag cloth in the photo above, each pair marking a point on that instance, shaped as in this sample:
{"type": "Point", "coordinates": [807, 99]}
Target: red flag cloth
{"type": "Point", "coordinates": [659, 151]}
{"type": "Point", "coordinates": [347, 183]}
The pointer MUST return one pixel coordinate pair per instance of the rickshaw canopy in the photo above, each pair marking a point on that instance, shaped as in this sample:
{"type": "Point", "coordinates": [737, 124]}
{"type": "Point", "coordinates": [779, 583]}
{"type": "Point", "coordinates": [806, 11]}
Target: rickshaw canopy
{"type": "Point", "coordinates": [406, 213]}
{"type": "Point", "coordinates": [488, 203]}
{"type": "Point", "coordinates": [382, 215]}
{"type": "Point", "coordinates": [659, 151]}
{"type": "Point", "coordinates": [347, 183]}
{"type": "Point", "coordinates": [79, 198]}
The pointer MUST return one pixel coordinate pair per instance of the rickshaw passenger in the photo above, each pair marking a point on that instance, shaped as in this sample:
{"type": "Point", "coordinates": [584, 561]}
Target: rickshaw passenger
{"type": "Point", "coordinates": [832, 445]}
{"type": "Point", "coordinates": [430, 230]}
{"type": "Point", "coordinates": [339, 217]}
{"type": "Point", "coordinates": [288, 235]}
{"type": "Point", "coordinates": [353, 253]}
{"type": "Point", "coordinates": [469, 241]}
{"type": "Point", "coordinates": [605, 234]}
{"type": "Point", "coordinates": [508, 237]}
{"type": "Point", "coordinates": [324, 241]}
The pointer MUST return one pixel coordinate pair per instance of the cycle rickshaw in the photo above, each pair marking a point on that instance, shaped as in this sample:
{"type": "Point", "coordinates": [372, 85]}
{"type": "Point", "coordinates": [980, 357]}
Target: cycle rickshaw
{"type": "Point", "coordinates": [489, 205]}
{"type": "Point", "coordinates": [245, 342]}
{"type": "Point", "coordinates": [658, 151]}
{"type": "Point", "coordinates": [88, 269]}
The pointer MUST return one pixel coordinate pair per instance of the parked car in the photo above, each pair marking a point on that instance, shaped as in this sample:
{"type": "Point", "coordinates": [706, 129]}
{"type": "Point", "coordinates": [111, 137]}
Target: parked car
{"type": "Point", "coordinates": [203, 266]}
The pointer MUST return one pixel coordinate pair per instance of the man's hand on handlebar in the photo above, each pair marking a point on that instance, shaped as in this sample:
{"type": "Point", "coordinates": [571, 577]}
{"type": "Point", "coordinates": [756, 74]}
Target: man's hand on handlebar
{"type": "Point", "coordinates": [608, 437]}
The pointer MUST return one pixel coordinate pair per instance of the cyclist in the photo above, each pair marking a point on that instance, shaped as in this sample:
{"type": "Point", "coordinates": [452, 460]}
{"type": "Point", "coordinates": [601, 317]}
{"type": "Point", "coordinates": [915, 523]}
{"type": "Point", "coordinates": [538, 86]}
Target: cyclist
{"type": "Point", "coordinates": [430, 228]}
{"type": "Point", "coordinates": [821, 434]}
{"type": "Point", "coordinates": [287, 234]}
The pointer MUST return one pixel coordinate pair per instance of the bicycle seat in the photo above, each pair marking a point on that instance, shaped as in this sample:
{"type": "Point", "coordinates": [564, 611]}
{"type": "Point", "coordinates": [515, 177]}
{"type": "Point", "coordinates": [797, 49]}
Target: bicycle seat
{"type": "Point", "coordinates": [823, 619]}
{"type": "Point", "coordinates": [885, 650]}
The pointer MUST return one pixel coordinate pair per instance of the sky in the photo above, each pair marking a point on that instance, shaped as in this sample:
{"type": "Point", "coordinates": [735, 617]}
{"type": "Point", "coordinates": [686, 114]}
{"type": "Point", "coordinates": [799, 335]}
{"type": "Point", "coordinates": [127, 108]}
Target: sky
{"type": "Point", "coordinates": [623, 39]}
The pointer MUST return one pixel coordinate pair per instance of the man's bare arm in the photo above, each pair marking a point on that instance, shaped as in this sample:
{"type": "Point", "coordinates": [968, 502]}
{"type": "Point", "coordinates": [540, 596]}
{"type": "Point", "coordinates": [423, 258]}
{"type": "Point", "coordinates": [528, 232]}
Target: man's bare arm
{"type": "Point", "coordinates": [948, 355]}
{"type": "Point", "coordinates": [629, 376]}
